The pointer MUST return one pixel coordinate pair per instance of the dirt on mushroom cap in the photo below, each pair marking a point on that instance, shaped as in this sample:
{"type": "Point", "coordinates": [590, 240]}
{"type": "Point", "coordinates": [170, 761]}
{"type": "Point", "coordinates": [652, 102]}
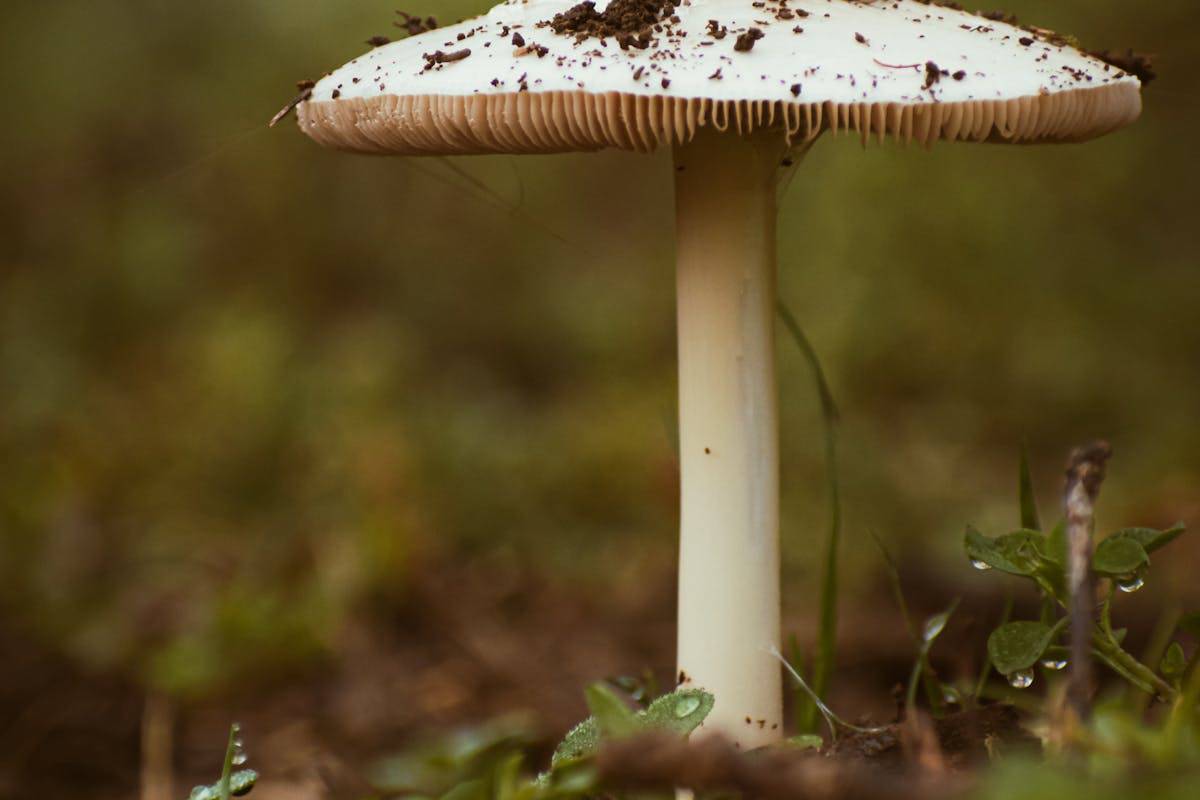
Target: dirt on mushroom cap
{"type": "Point", "coordinates": [620, 17]}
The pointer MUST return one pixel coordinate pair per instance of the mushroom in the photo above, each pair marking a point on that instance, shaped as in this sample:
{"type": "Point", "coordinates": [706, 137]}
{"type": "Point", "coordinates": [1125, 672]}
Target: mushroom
{"type": "Point", "coordinates": [737, 88]}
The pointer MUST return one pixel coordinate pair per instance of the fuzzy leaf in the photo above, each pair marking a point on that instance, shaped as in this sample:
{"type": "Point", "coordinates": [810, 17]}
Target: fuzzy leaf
{"type": "Point", "coordinates": [580, 742]}
{"type": "Point", "coordinates": [1119, 555]}
{"type": "Point", "coordinates": [240, 783]}
{"type": "Point", "coordinates": [1018, 645]}
{"type": "Point", "coordinates": [681, 711]}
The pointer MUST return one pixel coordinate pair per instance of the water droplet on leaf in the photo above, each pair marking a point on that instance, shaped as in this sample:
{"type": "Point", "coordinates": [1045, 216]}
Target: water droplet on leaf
{"type": "Point", "coordinates": [686, 706]}
{"type": "Point", "coordinates": [982, 566]}
{"type": "Point", "coordinates": [1130, 583]}
{"type": "Point", "coordinates": [1055, 664]}
{"type": "Point", "coordinates": [1021, 679]}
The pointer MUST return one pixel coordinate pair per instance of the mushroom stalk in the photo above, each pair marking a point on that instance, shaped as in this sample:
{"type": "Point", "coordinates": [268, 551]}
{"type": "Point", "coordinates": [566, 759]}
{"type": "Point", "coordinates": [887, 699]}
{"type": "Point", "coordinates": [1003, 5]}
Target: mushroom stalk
{"type": "Point", "coordinates": [728, 430]}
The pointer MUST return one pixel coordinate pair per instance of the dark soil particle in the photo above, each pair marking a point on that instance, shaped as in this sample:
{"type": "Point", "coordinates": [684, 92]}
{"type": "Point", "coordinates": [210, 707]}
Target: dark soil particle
{"type": "Point", "coordinates": [933, 74]}
{"type": "Point", "coordinates": [630, 22]}
{"type": "Point", "coordinates": [745, 42]}
{"type": "Point", "coordinates": [378, 41]}
{"type": "Point", "coordinates": [964, 738]}
{"type": "Point", "coordinates": [438, 58]}
{"type": "Point", "coordinates": [414, 25]}
{"type": "Point", "coordinates": [1138, 65]}
{"type": "Point", "coordinates": [518, 40]}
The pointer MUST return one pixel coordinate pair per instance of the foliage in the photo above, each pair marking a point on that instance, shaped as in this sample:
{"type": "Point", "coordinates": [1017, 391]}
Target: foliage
{"type": "Point", "coordinates": [489, 762]}
{"type": "Point", "coordinates": [1122, 559]}
{"type": "Point", "coordinates": [231, 783]}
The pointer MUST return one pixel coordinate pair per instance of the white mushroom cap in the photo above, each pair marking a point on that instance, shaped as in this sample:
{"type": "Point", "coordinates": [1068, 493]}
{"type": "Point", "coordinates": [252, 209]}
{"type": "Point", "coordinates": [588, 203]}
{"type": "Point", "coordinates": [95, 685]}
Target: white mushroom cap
{"type": "Point", "coordinates": [914, 70]}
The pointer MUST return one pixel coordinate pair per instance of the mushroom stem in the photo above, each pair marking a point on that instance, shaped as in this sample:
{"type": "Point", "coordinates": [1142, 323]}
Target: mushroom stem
{"type": "Point", "coordinates": [728, 429]}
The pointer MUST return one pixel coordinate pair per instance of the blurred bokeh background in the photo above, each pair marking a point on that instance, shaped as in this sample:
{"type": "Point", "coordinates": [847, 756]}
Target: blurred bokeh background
{"type": "Point", "coordinates": [357, 447]}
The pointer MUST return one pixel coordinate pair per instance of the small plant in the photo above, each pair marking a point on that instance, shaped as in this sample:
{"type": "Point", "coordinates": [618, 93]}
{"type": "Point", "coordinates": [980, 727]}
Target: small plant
{"type": "Point", "coordinates": [1120, 561]}
{"type": "Point", "coordinates": [489, 763]}
{"type": "Point", "coordinates": [679, 712]}
{"type": "Point", "coordinates": [231, 784]}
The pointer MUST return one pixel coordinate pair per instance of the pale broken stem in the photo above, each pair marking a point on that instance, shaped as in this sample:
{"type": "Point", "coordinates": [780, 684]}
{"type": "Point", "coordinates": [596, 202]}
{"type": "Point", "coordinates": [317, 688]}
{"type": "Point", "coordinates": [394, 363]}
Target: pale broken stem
{"type": "Point", "coordinates": [158, 721]}
{"type": "Point", "coordinates": [1085, 473]}
{"type": "Point", "coordinates": [728, 430]}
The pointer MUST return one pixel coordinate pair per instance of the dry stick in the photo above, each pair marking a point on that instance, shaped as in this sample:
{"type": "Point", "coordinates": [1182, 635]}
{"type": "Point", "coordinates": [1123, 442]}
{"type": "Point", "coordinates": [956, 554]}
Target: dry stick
{"type": "Point", "coordinates": [1085, 473]}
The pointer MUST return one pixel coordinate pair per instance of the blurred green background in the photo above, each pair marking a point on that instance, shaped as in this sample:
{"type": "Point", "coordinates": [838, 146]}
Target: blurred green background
{"type": "Point", "coordinates": [248, 385]}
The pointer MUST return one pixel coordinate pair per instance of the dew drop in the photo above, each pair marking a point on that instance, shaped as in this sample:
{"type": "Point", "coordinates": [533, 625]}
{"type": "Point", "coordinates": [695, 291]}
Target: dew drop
{"type": "Point", "coordinates": [686, 706]}
{"type": "Point", "coordinates": [1130, 583]}
{"type": "Point", "coordinates": [1021, 679]}
{"type": "Point", "coordinates": [950, 695]}
{"type": "Point", "coordinates": [982, 566]}
{"type": "Point", "coordinates": [1054, 664]}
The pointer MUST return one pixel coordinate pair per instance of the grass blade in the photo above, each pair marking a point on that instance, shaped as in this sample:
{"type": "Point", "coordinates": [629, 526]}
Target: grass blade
{"type": "Point", "coordinates": [827, 634]}
{"type": "Point", "coordinates": [1029, 510]}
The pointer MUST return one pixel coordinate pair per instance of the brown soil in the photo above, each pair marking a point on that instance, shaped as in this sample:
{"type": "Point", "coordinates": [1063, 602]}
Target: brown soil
{"type": "Point", "coordinates": [466, 643]}
{"type": "Point", "coordinates": [622, 19]}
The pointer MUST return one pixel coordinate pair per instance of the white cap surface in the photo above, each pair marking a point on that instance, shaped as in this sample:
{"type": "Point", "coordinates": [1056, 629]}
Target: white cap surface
{"type": "Point", "coordinates": [508, 82]}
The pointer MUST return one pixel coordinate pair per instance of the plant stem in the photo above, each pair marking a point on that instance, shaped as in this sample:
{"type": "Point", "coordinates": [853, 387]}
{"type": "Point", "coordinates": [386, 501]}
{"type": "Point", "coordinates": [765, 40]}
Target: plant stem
{"type": "Point", "coordinates": [1085, 473]}
{"type": "Point", "coordinates": [1125, 663]}
{"type": "Point", "coordinates": [729, 601]}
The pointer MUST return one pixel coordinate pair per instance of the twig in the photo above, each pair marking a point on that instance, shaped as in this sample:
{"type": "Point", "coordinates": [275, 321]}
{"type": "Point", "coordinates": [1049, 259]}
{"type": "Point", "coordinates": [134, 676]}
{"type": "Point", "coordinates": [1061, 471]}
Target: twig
{"type": "Point", "coordinates": [1085, 473]}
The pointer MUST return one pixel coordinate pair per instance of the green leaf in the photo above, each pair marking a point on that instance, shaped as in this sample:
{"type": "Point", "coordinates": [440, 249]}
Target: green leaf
{"type": "Point", "coordinates": [1018, 645]}
{"type": "Point", "coordinates": [935, 625]}
{"type": "Point", "coordinates": [1029, 510]}
{"type": "Point", "coordinates": [240, 783]}
{"type": "Point", "coordinates": [468, 790]}
{"type": "Point", "coordinates": [1149, 538]}
{"type": "Point", "coordinates": [805, 741]}
{"type": "Point", "coordinates": [580, 742]}
{"type": "Point", "coordinates": [680, 712]}
{"type": "Point", "coordinates": [612, 715]}
{"type": "Point", "coordinates": [1056, 544]}
{"type": "Point", "coordinates": [1173, 662]}
{"type": "Point", "coordinates": [1119, 555]}
{"type": "Point", "coordinates": [1017, 553]}
{"type": "Point", "coordinates": [506, 778]}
